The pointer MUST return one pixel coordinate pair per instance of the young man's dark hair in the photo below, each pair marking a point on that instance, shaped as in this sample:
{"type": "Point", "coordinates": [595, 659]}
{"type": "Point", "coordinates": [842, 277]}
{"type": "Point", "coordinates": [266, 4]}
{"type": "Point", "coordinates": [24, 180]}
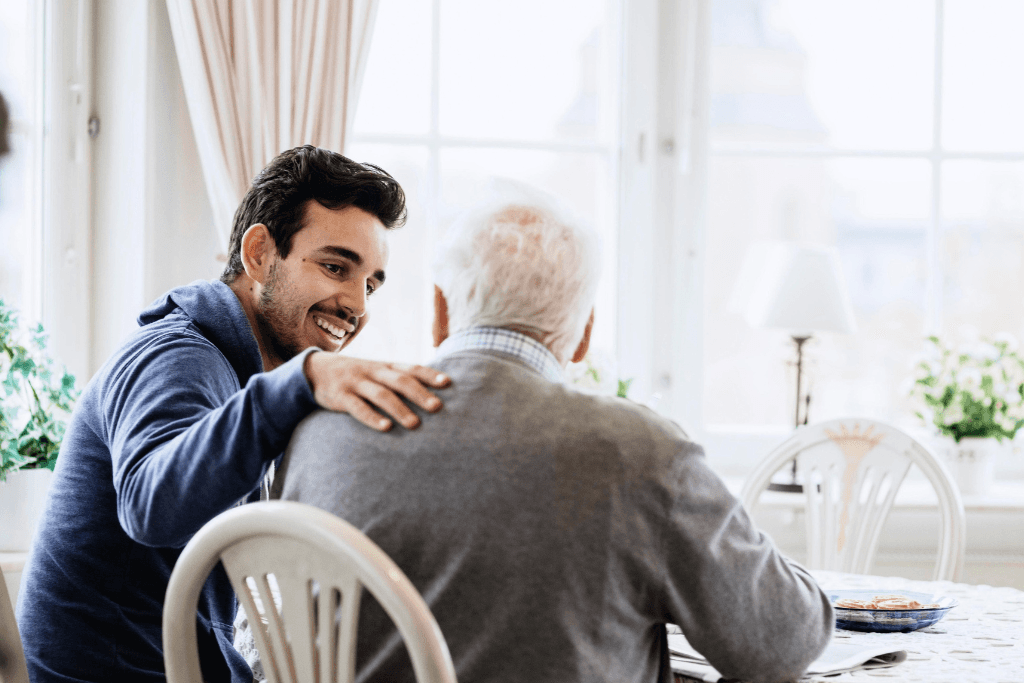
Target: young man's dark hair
{"type": "Point", "coordinates": [278, 197]}
{"type": "Point", "coordinates": [4, 116]}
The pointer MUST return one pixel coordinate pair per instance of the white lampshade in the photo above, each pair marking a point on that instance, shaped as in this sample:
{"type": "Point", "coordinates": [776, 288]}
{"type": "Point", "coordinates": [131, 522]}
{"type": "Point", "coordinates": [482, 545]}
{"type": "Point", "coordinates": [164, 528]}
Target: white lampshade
{"type": "Point", "coordinates": [797, 287]}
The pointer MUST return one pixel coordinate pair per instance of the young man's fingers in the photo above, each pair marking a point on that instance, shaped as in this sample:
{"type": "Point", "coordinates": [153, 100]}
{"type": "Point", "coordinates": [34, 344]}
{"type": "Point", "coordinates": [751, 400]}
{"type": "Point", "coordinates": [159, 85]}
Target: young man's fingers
{"type": "Point", "coordinates": [409, 386]}
{"type": "Point", "coordinates": [388, 402]}
{"type": "Point", "coordinates": [424, 375]}
{"type": "Point", "coordinates": [361, 410]}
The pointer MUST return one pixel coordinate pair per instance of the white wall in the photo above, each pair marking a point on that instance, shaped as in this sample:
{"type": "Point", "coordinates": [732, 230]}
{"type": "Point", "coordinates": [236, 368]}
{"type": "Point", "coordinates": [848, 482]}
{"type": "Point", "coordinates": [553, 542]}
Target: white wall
{"type": "Point", "coordinates": [152, 224]}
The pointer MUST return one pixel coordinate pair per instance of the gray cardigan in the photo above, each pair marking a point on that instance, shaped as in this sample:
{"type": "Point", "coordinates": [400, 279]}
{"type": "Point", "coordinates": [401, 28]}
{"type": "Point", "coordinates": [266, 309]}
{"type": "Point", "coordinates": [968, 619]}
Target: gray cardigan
{"type": "Point", "coordinates": [554, 533]}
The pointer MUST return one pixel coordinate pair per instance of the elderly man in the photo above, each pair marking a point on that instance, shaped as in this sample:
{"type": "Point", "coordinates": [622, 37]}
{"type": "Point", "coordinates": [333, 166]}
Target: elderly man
{"type": "Point", "coordinates": [552, 533]}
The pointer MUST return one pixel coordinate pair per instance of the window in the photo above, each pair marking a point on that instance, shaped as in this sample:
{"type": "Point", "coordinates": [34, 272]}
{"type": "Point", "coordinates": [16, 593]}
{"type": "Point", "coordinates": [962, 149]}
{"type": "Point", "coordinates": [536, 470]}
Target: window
{"type": "Point", "coordinates": [891, 131]}
{"type": "Point", "coordinates": [20, 172]}
{"type": "Point", "coordinates": [457, 92]}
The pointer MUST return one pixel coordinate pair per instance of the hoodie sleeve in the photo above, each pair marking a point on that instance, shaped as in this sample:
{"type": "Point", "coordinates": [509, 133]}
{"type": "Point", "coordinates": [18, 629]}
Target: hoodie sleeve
{"type": "Point", "coordinates": [186, 443]}
{"type": "Point", "coordinates": [754, 615]}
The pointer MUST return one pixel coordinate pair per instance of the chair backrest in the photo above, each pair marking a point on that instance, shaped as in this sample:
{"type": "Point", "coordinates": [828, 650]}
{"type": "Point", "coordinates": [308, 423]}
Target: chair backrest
{"type": "Point", "coordinates": [851, 469]}
{"type": "Point", "coordinates": [12, 656]}
{"type": "Point", "coordinates": [320, 565]}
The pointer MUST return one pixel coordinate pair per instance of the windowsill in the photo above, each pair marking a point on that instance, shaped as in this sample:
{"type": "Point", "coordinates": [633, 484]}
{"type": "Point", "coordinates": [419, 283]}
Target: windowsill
{"type": "Point", "coordinates": [1005, 496]}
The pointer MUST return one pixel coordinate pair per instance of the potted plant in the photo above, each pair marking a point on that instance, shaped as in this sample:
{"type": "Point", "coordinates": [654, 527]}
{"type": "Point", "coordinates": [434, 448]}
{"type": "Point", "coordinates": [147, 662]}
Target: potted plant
{"type": "Point", "coordinates": [974, 397]}
{"type": "Point", "coordinates": [35, 403]}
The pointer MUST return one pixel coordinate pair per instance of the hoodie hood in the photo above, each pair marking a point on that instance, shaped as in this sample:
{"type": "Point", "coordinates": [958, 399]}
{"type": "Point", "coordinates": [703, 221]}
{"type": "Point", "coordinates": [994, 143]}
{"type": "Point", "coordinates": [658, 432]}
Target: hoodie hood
{"type": "Point", "coordinates": [213, 307]}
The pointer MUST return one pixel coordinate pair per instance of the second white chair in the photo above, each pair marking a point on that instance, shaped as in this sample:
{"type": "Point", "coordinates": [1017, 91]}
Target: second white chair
{"type": "Point", "coordinates": [851, 469]}
{"type": "Point", "coordinates": [321, 564]}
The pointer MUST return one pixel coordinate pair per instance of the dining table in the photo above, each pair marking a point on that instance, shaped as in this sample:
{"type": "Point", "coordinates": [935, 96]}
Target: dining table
{"type": "Point", "coordinates": [980, 640]}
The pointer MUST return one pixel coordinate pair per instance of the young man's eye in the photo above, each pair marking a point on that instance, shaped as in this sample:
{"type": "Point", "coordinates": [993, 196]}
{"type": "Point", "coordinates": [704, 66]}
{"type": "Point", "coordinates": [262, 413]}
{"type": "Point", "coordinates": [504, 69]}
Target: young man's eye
{"type": "Point", "coordinates": [370, 289]}
{"type": "Point", "coordinates": [334, 268]}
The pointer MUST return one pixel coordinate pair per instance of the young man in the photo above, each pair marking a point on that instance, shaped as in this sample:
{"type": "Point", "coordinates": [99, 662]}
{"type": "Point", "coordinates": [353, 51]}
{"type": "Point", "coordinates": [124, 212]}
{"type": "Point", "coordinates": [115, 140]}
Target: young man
{"type": "Point", "coordinates": [553, 534]}
{"type": "Point", "coordinates": [183, 420]}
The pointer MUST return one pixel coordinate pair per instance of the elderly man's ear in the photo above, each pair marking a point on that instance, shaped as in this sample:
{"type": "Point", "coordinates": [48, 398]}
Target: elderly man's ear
{"type": "Point", "coordinates": [440, 328]}
{"type": "Point", "coordinates": [581, 350]}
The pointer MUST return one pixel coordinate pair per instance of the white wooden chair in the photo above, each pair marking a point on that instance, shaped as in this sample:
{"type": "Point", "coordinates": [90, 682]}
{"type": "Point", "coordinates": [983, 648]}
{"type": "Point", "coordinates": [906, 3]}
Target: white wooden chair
{"type": "Point", "coordinates": [12, 657]}
{"type": "Point", "coordinates": [851, 469]}
{"type": "Point", "coordinates": [321, 564]}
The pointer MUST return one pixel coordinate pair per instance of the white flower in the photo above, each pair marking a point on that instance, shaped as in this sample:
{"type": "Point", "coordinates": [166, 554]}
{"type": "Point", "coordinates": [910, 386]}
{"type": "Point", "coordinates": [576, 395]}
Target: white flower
{"type": "Point", "coordinates": [970, 378]}
{"type": "Point", "coordinates": [986, 351]}
{"type": "Point", "coordinates": [1015, 411]}
{"type": "Point", "coordinates": [1008, 339]}
{"type": "Point", "coordinates": [953, 414]}
{"type": "Point", "coordinates": [1007, 424]}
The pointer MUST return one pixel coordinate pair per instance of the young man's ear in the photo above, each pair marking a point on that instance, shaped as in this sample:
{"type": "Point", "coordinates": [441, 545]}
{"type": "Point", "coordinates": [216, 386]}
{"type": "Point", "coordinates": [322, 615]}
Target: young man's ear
{"type": "Point", "coordinates": [257, 252]}
{"type": "Point", "coordinates": [584, 346]}
{"type": "Point", "coordinates": [440, 328]}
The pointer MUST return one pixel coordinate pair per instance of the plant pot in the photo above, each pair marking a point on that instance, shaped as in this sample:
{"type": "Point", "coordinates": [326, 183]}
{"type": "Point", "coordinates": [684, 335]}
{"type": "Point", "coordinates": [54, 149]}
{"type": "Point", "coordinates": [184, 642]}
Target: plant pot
{"type": "Point", "coordinates": [972, 463]}
{"type": "Point", "coordinates": [22, 499]}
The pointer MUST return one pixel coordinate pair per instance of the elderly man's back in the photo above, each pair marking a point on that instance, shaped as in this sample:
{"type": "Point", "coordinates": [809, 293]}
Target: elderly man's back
{"type": "Point", "coordinates": [554, 533]}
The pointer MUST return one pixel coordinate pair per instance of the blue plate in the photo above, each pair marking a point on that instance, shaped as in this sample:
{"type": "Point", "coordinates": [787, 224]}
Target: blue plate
{"type": "Point", "coordinates": [889, 620]}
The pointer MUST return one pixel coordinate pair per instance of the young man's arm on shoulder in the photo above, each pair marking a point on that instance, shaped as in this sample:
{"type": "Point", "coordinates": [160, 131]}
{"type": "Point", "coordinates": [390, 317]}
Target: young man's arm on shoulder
{"type": "Point", "coordinates": [752, 613]}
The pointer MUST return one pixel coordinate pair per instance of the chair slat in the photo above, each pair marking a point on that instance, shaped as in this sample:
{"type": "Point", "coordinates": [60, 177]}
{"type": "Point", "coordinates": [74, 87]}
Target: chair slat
{"type": "Point", "coordinates": [351, 596]}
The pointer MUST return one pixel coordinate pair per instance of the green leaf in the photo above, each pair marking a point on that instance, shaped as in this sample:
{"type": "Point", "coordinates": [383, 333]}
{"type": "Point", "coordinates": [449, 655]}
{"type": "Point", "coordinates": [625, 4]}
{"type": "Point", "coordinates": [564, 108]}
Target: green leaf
{"type": "Point", "coordinates": [623, 389]}
{"type": "Point", "coordinates": [34, 391]}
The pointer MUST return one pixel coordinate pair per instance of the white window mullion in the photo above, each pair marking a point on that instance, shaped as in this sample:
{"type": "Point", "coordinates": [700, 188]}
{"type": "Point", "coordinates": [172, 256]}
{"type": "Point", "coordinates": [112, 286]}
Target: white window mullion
{"type": "Point", "coordinates": [637, 216]}
{"type": "Point", "coordinates": [433, 189]}
{"type": "Point", "coordinates": [34, 274]}
{"type": "Point", "coordinates": [933, 301]}
{"type": "Point", "coordinates": [66, 189]}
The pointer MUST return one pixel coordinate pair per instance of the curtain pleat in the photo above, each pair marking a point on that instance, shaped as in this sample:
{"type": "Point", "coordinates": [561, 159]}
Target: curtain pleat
{"type": "Point", "coordinates": [263, 76]}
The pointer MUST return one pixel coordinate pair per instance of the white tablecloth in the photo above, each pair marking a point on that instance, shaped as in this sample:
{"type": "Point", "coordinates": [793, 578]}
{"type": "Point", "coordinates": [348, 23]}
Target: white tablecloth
{"type": "Point", "coordinates": [982, 639]}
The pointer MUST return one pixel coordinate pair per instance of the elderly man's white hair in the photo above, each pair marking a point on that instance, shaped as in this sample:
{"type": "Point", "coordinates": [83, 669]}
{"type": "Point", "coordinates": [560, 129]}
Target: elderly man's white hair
{"type": "Point", "coordinates": [521, 261]}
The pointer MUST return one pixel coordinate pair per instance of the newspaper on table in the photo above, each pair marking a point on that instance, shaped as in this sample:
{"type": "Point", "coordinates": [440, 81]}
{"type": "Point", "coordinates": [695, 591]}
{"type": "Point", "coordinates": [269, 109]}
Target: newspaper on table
{"type": "Point", "coordinates": [837, 658]}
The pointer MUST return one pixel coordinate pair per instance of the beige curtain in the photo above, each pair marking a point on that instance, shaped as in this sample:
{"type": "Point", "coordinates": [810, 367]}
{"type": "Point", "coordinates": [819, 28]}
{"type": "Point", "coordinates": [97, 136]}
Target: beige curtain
{"type": "Point", "coordinates": [263, 76]}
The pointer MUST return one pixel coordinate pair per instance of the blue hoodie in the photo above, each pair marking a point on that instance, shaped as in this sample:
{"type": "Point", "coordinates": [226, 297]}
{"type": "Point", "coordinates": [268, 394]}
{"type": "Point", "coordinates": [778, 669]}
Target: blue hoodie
{"type": "Point", "coordinates": [163, 439]}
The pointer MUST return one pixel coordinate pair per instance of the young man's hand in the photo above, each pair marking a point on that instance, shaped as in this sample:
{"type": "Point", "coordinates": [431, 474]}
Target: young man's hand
{"type": "Point", "coordinates": [356, 386]}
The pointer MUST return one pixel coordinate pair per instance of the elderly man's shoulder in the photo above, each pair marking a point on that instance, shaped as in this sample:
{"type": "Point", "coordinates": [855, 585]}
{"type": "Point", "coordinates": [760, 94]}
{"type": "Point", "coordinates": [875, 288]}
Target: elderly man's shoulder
{"type": "Point", "coordinates": [625, 417]}
{"type": "Point", "coordinates": [497, 395]}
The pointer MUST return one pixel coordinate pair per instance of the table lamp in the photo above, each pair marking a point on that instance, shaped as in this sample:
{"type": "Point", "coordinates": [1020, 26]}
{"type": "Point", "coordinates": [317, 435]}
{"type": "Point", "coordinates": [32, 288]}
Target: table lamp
{"type": "Point", "coordinates": [800, 288]}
